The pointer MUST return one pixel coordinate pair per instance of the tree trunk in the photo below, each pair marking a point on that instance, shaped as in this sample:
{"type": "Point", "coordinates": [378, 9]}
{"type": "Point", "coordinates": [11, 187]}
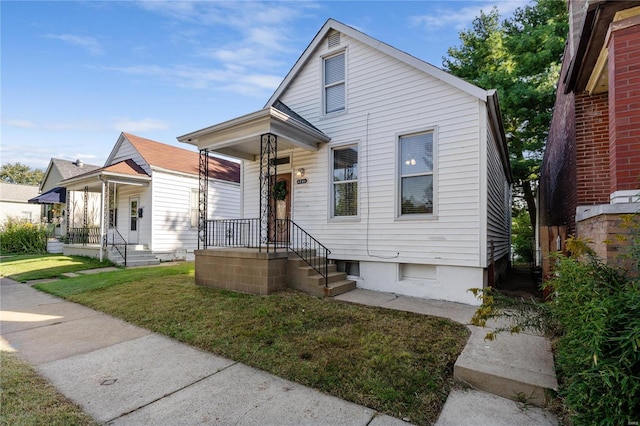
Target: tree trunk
{"type": "Point", "coordinates": [530, 199]}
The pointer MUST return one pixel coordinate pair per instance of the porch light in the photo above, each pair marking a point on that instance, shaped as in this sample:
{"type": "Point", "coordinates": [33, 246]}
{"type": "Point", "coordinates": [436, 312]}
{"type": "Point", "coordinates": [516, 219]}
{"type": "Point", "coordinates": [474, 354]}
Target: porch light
{"type": "Point", "coordinates": [300, 172]}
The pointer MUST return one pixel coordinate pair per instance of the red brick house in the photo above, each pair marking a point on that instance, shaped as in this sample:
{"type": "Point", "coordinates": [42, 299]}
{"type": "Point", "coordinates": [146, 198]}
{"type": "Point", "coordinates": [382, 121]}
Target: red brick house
{"type": "Point", "coordinates": [590, 174]}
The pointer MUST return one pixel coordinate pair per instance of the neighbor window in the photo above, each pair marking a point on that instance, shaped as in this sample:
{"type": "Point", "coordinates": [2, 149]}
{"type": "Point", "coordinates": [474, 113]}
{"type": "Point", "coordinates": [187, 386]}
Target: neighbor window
{"type": "Point", "coordinates": [345, 181]}
{"type": "Point", "coordinates": [416, 174]}
{"type": "Point", "coordinates": [334, 83]}
{"type": "Point", "coordinates": [193, 210]}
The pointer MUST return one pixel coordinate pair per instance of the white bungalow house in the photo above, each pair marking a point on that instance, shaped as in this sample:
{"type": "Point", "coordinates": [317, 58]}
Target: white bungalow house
{"type": "Point", "coordinates": [149, 194]}
{"type": "Point", "coordinates": [14, 203]}
{"type": "Point", "coordinates": [371, 160]}
{"type": "Point", "coordinates": [53, 197]}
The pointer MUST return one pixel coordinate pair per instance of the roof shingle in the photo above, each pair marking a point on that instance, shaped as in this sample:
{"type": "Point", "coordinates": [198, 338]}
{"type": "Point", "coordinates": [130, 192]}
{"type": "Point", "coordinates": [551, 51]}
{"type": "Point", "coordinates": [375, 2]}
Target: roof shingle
{"type": "Point", "coordinates": [181, 160]}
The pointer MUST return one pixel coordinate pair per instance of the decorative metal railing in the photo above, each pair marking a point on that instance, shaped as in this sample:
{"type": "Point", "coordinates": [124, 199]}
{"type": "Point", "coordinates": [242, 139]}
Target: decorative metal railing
{"type": "Point", "coordinates": [283, 233]}
{"type": "Point", "coordinates": [84, 236]}
{"type": "Point", "coordinates": [118, 243]}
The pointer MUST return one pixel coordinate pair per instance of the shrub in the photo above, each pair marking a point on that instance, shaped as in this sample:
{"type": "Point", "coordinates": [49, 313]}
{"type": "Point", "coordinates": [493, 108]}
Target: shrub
{"type": "Point", "coordinates": [22, 237]}
{"type": "Point", "coordinates": [522, 237]}
{"type": "Point", "coordinates": [594, 318]}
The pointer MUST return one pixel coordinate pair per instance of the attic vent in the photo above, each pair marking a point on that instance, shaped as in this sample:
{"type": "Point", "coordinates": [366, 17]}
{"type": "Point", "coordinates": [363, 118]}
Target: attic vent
{"type": "Point", "coordinates": [333, 40]}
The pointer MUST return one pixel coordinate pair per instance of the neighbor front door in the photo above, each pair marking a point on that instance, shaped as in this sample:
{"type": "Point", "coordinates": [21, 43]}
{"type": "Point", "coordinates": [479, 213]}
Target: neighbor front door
{"type": "Point", "coordinates": [134, 220]}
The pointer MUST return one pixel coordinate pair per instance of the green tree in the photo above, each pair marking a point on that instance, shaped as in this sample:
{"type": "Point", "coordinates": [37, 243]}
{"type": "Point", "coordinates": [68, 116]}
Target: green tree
{"type": "Point", "coordinates": [520, 57]}
{"type": "Point", "coordinates": [20, 173]}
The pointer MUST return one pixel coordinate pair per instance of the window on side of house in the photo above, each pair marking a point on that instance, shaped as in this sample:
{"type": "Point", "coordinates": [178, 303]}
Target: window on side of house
{"type": "Point", "coordinates": [345, 181]}
{"type": "Point", "coordinates": [334, 83]}
{"type": "Point", "coordinates": [416, 174]}
{"type": "Point", "coordinates": [193, 207]}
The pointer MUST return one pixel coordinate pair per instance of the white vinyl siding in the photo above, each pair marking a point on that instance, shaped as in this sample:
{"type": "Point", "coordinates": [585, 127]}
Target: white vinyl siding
{"type": "Point", "coordinates": [335, 83]}
{"type": "Point", "coordinates": [498, 204]}
{"type": "Point", "coordinates": [173, 212]}
{"type": "Point", "coordinates": [127, 151]}
{"type": "Point", "coordinates": [387, 97]}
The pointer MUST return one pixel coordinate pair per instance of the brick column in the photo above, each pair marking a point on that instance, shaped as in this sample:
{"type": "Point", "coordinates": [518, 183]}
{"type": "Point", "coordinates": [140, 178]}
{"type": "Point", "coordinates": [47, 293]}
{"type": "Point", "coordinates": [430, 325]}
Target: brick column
{"type": "Point", "coordinates": [592, 149]}
{"type": "Point", "coordinates": [624, 105]}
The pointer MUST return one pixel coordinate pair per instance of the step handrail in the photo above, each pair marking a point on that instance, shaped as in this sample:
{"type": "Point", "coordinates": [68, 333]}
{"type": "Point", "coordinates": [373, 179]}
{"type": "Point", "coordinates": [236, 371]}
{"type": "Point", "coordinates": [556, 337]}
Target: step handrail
{"type": "Point", "coordinates": [120, 246]}
{"type": "Point", "coordinates": [309, 249]}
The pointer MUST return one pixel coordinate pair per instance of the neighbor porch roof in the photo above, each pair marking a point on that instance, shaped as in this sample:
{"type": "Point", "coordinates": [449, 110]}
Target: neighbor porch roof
{"type": "Point", "coordinates": [125, 172]}
{"type": "Point", "coordinates": [240, 137]}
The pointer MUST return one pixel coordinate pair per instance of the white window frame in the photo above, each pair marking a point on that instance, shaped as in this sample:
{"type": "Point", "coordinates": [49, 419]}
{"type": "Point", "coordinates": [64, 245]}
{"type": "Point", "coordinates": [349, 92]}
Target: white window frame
{"type": "Point", "coordinates": [332, 184]}
{"type": "Point", "coordinates": [342, 82]}
{"type": "Point", "coordinates": [194, 195]}
{"type": "Point", "coordinates": [399, 176]}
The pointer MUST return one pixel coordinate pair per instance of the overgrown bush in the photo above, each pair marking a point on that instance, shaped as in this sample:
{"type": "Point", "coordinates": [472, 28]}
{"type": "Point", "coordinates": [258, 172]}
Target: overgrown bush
{"type": "Point", "coordinates": [594, 318]}
{"type": "Point", "coordinates": [22, 237]}
{"type": "Point", "coordinates": [522, 237]}
{"type": "Point", "coordinates": [598, 349]}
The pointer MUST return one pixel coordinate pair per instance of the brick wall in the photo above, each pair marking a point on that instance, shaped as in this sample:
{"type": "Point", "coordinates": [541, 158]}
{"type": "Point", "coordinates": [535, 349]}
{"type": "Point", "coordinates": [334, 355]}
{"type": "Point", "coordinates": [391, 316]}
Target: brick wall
{"type": "Point", "coordinates": [624, 97]}
{"type": "Point", "coordinates": [609, 238]}
{"type": "Point", "coordinates": [592, 149]}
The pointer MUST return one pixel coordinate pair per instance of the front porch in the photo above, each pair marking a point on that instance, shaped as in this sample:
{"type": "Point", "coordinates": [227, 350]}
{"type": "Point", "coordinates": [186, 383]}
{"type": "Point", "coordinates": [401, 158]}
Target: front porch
{"type": "Point", "coordinates": [97, 235]}
{"type": "Point", "coordinates": [268, 253]}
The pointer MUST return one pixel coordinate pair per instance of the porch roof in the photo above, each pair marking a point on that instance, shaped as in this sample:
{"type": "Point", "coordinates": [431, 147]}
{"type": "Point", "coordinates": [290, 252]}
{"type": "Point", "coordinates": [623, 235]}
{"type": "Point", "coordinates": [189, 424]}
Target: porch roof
{"type": "Point", "coordinates": [240, 137]}
{"type": "Point", "coordinates": [125, 172]}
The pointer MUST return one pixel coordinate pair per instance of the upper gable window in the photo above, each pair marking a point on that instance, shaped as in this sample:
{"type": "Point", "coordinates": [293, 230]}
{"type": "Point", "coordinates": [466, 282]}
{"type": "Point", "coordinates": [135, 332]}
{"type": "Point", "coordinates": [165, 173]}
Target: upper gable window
{"type": "Point", "coordinates": [334, 83]}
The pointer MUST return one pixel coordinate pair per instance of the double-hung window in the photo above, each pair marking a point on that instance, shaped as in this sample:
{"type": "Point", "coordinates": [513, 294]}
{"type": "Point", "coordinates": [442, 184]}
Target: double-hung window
{"type": "Point", "coordinates": [416, 174]}
{"type": "Point", "coordinates": [334, 83]}
{"type": "Point", "coordinates": [194, 199]}
{"type": "Point", "coordinates": [345, 181]}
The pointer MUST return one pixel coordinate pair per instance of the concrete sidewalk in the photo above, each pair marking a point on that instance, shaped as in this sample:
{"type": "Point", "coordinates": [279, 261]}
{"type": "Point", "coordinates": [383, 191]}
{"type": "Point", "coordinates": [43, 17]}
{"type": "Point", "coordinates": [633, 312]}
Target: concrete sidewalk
{"type": "Point", "coordinates": [121, 374]}
{"type": "Point", "coordinates": [124, 375]}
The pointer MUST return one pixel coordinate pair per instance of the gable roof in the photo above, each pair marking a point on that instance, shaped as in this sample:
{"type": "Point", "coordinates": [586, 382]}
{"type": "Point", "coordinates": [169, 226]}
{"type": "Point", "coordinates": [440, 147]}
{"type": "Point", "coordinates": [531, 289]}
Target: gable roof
{"type": "Point", "coordinates": [17, 192]}
{"type": "Point", "coordinates": [167, 157]}
{"type": "Point", "coordinates": [435, 72]}
{"type": "Point", "coordinates": [67, 169]}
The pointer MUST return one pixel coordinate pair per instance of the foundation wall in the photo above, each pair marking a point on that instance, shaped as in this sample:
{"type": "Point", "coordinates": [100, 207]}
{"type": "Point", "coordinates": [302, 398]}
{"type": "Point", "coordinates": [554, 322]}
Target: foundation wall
{"type": "Point", "coordinates": [242, 270]}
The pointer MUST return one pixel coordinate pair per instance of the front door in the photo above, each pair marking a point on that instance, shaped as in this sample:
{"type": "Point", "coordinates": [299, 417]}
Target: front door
{"type": "Point", "coordinates": [134, 205]}
{"type": "Point", "coordinates": [281, 208]}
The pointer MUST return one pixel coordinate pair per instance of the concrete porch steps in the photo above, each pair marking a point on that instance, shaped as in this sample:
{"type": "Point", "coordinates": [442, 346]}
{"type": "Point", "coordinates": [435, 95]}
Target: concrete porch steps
{"type": "Point", "coordinates": [303, 277]}
{"type": "Point", "coordinates": [136, 256]}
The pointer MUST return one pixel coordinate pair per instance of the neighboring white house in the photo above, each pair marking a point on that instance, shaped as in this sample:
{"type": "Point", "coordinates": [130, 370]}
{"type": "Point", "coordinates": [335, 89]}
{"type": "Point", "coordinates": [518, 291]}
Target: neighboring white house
{"type": "Point", "coordinates": [400, 169]}
{"type": "Point", "coordinates": [150, 194]}
{"type": "Point", "coordinates": [53, 198]}
{"type": "Point", "coordinates": [14, 202]}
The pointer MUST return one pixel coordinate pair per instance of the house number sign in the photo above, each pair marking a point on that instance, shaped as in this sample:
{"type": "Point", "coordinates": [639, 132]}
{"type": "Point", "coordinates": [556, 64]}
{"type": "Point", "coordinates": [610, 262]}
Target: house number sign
{"type": "Point", "coordinates": [301, 181]}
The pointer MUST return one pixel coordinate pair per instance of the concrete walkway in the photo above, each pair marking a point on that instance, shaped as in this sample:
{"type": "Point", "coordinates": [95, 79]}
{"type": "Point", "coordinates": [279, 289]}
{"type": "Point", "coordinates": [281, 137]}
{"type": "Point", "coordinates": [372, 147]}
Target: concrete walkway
{"type": "Point", "coordinates": [121, 374]}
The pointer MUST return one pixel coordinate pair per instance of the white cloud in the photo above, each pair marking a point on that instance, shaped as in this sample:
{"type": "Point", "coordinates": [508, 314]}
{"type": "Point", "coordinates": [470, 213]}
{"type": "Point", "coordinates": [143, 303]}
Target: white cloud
{"type": "Point", "coordinates": [261, 43]}
{"type": "Point", "coordinates": [461, 18]}
{"type": "Point", "coordinates": [82, 125]}
{"type": "Point", "coordinates": [20, 123]}
{"type": "Point", "coordinates": [89, 43]}
{"type": "Point", "coordinates": [143, 125]}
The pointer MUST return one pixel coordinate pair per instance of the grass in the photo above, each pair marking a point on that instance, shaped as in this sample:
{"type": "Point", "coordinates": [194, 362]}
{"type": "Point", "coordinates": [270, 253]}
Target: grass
{"type": "Point", "coordinates": [24, 268]}
{"type": "Point", "coordinates": [396, 362]}
{"type": "Point", "coordinates": [28, 399]}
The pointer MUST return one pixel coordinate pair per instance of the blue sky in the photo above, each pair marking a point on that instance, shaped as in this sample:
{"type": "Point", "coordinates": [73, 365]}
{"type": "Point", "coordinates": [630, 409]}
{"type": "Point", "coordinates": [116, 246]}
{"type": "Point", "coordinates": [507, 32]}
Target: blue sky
{"type": "Point", "coordinates": [76, 74]}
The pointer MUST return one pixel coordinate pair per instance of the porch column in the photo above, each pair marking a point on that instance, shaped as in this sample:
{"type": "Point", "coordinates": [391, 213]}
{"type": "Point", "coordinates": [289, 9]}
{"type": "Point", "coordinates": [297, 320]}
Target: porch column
{"type": "Point", "coordinates": [268, 171]}
{"type": "Point", "coordinates": [68, 216]}
{"type": "Point", "coordinates": [203, 196]}
{"type": "Point", "coordinates": [103, 218]}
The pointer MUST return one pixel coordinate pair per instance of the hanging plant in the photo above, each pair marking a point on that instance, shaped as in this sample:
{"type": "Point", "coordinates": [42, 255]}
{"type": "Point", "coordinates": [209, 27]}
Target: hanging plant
{"type": "Point", "coordinates": [280, 190]}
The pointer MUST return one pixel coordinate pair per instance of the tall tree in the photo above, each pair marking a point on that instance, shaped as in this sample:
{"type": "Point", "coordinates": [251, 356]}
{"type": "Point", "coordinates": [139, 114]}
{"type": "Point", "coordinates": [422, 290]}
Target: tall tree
{"type": "Point", "coordinates": [20, 173]}
{"type": "Point", "coordinates": [521, 58]}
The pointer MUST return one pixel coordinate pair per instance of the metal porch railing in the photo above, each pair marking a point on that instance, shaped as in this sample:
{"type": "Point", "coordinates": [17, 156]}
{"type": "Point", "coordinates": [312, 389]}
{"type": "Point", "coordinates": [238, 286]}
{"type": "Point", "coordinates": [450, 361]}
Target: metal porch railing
{"type": "Point", "coordinates": [83, 236]}
{"type": "Point", "coordinates": [283, 233]}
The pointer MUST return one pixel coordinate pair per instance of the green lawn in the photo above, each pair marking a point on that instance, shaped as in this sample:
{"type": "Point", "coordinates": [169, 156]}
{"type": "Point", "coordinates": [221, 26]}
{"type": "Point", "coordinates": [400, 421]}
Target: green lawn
{"type": "Point", "coordinates": [28, 399]}
{"type": "Point", "coordinates": [24, 268]}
